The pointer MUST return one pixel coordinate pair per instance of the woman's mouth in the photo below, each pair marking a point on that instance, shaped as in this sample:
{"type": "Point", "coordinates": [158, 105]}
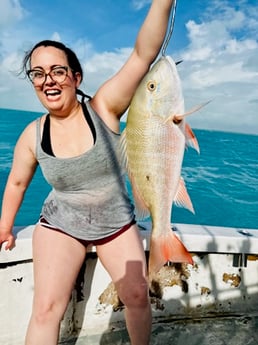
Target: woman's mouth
{"type": "Point", "coordinates": [52, 93]}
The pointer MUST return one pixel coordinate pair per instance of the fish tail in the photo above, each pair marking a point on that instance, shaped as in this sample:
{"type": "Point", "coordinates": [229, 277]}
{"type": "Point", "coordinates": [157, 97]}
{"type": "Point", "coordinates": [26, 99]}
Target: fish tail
{"type": "Point", "coordinates": [167, 248]}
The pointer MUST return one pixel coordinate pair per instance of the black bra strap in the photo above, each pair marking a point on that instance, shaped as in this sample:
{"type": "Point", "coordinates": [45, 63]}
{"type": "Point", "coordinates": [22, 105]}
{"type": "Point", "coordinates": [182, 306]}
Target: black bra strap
{"type": "Point", "coordinates": [46, 141]}
{"type": "Point", "coordinates": [87, 114]}
{"type": "Point", "coordinates": [81, 93]}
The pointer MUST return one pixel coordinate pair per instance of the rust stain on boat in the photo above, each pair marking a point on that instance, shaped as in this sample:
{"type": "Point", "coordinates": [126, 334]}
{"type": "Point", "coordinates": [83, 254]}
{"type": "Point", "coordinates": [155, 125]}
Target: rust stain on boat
{"type": "Point", "coordinates": [174, 274]}
{"type": "Point", "coordinates": [168, 276]}
{"type": "Point", "coordinates": [252, 257]}
{"type": "Point", "coordinates": [233, 279]}
{"type": "Point", "coordinates": [205, 291]}
{"type": "Point", "coordinates": [110, 296]}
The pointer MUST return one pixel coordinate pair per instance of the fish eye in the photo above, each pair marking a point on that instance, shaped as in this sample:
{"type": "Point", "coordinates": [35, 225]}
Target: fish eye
{"type": "Point", "coordinates": [151, 86]}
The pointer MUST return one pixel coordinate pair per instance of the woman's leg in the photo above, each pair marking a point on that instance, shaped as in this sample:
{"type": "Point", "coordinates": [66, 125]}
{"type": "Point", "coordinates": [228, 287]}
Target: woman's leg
{"type": "Point", "coordinates": [57, 259]}
{"type": "Point", "coordinates": [124, 259]}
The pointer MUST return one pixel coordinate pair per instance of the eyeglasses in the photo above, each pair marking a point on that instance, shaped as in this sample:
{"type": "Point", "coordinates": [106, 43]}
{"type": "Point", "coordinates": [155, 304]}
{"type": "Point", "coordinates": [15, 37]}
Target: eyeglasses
{"type": "Point", "coordinates": [39, 76]}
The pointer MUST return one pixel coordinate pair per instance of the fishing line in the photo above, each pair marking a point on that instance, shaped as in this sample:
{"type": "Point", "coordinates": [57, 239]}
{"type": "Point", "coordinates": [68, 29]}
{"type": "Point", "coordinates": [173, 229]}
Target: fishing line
{"type": "Point", "coordinates": [172, 23]}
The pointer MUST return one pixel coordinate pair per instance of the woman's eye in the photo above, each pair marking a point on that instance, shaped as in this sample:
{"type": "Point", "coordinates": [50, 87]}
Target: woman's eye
{"type": "Point", "coordinates": [58, 72]}
{"type": "Point", "coordinates": [37, 74]}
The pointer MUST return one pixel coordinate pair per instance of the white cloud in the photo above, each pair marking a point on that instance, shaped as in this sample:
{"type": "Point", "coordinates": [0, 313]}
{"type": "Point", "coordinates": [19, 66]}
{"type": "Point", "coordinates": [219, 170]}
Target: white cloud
{"type": "Point", "coordinates": [56, 37]}
{"type": "Point", "coordinates": [11, 11]}
{"type": "Point", "coordinates": [101, 66]}
{"type": "Point", "coordinates": [15, 92]}
{"type": "Point", "coordinates": [220, 64]}
{"type": "Point", "coordinates": [139, 4]}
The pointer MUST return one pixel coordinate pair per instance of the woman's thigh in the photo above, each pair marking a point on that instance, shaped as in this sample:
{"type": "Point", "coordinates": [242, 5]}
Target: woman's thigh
{"type": "Point", "coordinates": [124, 257]}
{"type": "Point", "coordinates": [57, 259]}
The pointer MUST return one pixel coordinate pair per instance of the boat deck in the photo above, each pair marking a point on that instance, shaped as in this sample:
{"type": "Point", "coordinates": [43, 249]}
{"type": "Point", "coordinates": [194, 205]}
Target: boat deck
{"type": "Point", "coordinates": [223, 330]}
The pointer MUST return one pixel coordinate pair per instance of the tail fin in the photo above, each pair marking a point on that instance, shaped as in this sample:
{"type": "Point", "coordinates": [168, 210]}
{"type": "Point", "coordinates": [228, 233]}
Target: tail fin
{"type": "Point", "coordinates": [166, 248]}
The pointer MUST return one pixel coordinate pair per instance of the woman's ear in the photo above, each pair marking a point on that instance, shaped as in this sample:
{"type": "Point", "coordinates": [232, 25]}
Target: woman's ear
{"type": "Point", "coordinates": [78, 78]}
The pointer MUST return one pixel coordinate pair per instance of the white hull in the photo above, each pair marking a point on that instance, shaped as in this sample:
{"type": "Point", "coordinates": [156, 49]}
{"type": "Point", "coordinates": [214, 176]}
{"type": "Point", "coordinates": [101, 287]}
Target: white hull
{"type": "Point", "coordinates": [218, 295]}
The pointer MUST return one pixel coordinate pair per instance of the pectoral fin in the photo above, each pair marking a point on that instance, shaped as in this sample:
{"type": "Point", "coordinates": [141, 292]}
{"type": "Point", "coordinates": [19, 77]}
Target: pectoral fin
{"type": "Point", "coordinates": [191, 138]}
{"type": "Point", "coordinates": [179, 117]}
{"type": "Point", "coordinates": [182, 198]}
{"type": "Point", "coordinates": [141, 209]}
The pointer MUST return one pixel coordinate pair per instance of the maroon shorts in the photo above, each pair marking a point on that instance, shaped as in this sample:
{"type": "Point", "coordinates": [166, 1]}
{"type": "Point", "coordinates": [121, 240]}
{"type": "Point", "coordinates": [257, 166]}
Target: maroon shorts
{"type": "Point", "coordinates": [45, 223]}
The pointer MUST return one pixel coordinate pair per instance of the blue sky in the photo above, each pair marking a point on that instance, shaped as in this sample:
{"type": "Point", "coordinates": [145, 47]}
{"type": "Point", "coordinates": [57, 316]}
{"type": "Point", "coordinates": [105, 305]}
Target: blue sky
{"type": "Point", "coordinates": [217, 40]}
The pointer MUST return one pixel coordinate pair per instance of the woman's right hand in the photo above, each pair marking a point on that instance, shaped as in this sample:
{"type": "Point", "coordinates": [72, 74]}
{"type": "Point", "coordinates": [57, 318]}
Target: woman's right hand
{"type": "Point", "coordinates": [7, 239]}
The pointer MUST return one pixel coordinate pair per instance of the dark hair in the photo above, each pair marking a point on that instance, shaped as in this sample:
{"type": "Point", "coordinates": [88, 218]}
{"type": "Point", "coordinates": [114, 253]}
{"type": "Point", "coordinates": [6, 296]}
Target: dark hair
{"type": "Point", "coordinates": [72, 59]}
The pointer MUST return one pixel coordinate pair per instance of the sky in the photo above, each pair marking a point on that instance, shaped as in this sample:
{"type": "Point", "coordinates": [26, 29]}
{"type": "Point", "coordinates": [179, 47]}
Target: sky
{"type": "Point", "coordinates": [216, 39]}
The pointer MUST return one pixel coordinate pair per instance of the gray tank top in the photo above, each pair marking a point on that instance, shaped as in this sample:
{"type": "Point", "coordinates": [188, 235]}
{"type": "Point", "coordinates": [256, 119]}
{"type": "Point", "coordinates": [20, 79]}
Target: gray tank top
{"type": "Point", "coordinates": [89, 199]}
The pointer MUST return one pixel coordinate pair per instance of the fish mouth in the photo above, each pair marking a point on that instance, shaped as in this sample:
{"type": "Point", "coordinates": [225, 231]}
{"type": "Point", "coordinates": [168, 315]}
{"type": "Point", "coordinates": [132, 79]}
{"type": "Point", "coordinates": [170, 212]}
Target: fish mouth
{"type": "Point", "coordinates": [171, 61]}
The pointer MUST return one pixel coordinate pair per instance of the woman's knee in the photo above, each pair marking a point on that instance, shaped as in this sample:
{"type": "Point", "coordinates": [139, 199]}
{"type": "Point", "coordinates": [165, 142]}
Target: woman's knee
{"type": "Point", "coordinates": [48, 311]}
{"type": "Point", "coordinates": [134, 296]}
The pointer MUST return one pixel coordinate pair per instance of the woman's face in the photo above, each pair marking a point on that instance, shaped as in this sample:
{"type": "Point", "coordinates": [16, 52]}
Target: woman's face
{"type": "Point", "coordinates": [58, 97]}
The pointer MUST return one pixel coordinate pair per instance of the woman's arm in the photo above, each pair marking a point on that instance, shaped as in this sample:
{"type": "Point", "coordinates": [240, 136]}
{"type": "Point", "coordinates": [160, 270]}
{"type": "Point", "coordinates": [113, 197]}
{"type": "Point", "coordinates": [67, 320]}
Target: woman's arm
{"type": "Point", "coordinates": [23, 168]}
{"type": "Point", "coordinates": [115, 95]}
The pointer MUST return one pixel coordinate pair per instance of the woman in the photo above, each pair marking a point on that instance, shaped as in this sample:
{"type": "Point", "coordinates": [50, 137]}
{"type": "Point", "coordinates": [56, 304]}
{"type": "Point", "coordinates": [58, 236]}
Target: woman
{"type": "Point", "coordinates": [75, 145]}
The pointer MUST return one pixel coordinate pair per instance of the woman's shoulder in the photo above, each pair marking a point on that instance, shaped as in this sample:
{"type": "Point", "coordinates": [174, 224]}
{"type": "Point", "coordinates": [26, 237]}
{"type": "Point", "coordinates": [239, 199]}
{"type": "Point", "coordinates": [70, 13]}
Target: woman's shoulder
{"type": "Point", "coordinates": [100, 109]}
{"type": "Point", "coordinates": [30, 132]}
{"type": "Point", "coordinates": [35, 123]}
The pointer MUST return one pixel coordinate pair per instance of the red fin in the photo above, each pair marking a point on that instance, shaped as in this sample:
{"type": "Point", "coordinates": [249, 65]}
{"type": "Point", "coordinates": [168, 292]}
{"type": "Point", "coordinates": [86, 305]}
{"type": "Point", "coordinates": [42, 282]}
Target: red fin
{"type": "Point", "coordinates": [166, 248]}
{"type": "Point", "coordinates": [191, 138]}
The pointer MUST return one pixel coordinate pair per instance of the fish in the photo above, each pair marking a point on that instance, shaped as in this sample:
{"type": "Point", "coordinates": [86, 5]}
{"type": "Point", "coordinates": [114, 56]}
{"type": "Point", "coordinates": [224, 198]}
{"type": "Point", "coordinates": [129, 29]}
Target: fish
{"type": "Point", "coordinates": [152, 148]}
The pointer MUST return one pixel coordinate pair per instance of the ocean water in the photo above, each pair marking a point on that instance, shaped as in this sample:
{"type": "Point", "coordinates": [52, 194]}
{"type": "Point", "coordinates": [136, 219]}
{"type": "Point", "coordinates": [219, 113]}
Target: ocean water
{"type": "Point", "coordinates": [222, 181]}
